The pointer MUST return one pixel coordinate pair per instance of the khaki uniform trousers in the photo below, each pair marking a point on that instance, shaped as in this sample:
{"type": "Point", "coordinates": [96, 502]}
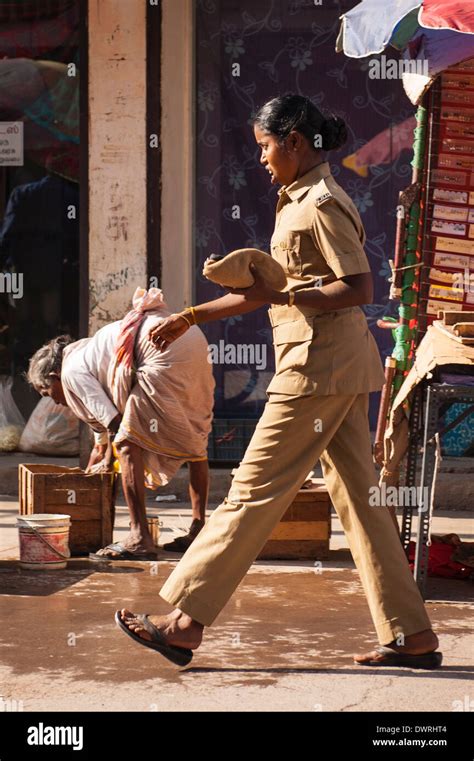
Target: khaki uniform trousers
{"type": "Point", "coordinates": [292, 434]}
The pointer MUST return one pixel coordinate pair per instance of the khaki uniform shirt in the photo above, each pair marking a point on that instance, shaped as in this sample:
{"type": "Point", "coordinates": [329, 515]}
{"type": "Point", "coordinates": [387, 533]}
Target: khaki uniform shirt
{"type": "Point", "coordinates": [319, 238]}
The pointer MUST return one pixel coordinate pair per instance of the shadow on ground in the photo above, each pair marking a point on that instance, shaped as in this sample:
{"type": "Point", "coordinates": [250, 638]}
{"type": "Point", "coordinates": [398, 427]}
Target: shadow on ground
{"type": "Point", "coordinates": [276, 623]}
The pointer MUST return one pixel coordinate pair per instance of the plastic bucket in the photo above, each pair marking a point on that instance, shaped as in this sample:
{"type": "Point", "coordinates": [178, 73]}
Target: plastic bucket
{"type": "Point", "coordinates": [44, 541]}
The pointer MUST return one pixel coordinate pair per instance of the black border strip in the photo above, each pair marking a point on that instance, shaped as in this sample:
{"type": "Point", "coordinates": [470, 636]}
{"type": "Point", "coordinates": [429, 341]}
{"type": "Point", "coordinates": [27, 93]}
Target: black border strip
{"type": "Point", "coordinates": [84, 170]}
{"type": "Point", "coordinates": [153, 126]}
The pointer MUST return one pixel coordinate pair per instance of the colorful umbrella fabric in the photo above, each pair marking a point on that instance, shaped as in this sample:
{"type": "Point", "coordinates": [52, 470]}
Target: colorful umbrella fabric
{"type": "Point", "coordinates": [359, 36]}
{"type": "Point", "coordinates": [440, 49]}
{"type": "Point", "coordinates": [438, 34]}
{"type": "Point", "coordinates": [448, 14]}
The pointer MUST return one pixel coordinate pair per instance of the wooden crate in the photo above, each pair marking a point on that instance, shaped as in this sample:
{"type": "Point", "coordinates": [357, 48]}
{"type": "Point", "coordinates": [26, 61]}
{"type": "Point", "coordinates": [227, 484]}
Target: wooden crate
{"type": "Point", "coordinates": [305, 529]}
{"type": "Point", "coordinates": [88, 499]}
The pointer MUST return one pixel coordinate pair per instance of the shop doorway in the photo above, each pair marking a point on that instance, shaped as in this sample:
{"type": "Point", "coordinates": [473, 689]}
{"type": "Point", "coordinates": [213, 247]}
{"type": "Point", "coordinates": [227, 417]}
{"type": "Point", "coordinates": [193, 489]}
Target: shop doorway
{"type": "Point", "coordinates": [40, 74]}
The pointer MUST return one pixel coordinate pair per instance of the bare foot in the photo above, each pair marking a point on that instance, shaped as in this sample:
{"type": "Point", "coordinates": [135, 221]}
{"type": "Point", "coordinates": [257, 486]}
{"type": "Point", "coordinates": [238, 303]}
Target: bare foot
{"type": "Point", "coordinates": [134, 543]}
{"type": "Point", "coordinates": [415, 644]}
{"type": "Point", "coordinates": [177, 628]}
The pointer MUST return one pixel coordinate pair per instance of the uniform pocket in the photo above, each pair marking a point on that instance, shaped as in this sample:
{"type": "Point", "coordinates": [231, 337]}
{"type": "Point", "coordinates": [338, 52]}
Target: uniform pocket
{"type": "Point", "coordinates": [293, 332]}
{"type": "Point", "coordinates": [292, 341]}
{"type": "Point", "coordinates": [288, 253]}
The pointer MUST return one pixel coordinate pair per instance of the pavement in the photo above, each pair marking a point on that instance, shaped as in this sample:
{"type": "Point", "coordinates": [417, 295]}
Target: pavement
{"type": "Point", "coordinates": [283, 642]}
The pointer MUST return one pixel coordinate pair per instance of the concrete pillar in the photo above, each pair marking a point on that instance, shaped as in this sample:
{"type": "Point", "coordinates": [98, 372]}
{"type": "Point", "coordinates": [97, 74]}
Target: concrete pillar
{"type": "Point", "coordinates": [117, 157]}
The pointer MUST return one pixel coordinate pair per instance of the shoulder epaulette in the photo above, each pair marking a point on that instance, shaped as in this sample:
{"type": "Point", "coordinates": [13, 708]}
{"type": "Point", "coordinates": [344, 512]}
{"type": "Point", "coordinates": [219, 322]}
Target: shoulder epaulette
{"type": "Point", "coordinates": [322, 193]}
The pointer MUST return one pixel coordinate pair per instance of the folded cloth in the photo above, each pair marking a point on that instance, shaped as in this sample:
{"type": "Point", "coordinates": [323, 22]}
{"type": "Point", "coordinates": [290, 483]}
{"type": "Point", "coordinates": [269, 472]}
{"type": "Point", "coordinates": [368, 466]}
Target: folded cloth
{"type": "Point", "coordinates": [121, 371]}
{"type": "Point", "coordinates": [442, 561]}
{"type": "Point", "coordinates": [233, 270]}
{"type": "Point", "coordinates": [168, 413]}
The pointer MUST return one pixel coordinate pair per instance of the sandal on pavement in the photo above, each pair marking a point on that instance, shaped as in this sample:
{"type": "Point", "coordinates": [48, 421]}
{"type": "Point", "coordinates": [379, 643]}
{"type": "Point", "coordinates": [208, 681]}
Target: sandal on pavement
{"type": "Point", "coordinates": [121, 553]}
{"type": "Point", "coordinates": [181, 543]}
{"type": "Point", "coordinates": [181, 656]}
{"type": "Point", "coordinates": [388, 657]}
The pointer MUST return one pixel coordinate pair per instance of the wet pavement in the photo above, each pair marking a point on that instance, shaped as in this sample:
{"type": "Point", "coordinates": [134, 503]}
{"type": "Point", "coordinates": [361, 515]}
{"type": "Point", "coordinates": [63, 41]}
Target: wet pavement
{"type": "Point", "coordinates": [283, 642]}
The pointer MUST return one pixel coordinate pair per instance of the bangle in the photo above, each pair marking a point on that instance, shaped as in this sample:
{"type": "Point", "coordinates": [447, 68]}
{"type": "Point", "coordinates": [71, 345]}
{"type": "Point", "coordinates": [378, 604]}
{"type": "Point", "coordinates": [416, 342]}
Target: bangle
{"type": "Point", "coordinates": [291, 298]}
{"type": "Point", "coordinates": [181, 314]}
{"type": "Point", "coordinates": [189, 315]}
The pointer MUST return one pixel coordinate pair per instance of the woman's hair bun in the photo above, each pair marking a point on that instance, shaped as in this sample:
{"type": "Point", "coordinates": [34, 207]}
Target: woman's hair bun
{"type": "Point", "coordinates": [280, 115]}
{"type": "Point", "coordinates": [333, 133]}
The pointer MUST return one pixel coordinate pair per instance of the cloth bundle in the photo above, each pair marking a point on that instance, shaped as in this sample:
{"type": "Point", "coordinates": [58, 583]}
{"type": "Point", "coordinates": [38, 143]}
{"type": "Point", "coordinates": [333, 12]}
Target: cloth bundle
{"type": "Point", "coordinates": [233, 270]}
{"type": "Point", "coordinates": [120, 374]}
{"type": "Point", "coordinates": [11, 419]}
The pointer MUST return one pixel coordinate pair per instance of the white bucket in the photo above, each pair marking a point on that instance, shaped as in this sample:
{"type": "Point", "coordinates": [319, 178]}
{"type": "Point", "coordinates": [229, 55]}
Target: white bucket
{"type": "Point", "coordinates": [44, 541]}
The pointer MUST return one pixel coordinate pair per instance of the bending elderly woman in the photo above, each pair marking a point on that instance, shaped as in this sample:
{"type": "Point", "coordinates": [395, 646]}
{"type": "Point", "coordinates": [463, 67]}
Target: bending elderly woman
{"type": "Point", "coordinates": [154, 407]}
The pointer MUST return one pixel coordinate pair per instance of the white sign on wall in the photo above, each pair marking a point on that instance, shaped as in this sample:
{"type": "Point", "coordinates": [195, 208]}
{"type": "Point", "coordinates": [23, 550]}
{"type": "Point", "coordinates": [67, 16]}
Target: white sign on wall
{"type": "Point", "coordinates": [11, 143]}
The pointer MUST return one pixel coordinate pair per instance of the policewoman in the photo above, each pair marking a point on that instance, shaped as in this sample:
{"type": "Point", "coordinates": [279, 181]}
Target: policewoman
{"type": "Point", "coordinates": [327, 362]}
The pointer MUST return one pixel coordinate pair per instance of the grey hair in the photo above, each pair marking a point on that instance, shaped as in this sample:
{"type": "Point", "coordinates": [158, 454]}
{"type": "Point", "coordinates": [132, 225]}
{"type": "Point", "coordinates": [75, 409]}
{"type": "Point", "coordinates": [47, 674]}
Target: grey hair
{"type": "Point", "coordinates": [47, 360]}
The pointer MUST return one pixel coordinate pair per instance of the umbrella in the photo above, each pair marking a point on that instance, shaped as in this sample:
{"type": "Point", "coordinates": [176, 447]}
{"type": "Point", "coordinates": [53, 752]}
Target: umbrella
{"type": "Point", "coordinates": [439, 33]}
{"type": "Point", "coordinates": [359, 36]}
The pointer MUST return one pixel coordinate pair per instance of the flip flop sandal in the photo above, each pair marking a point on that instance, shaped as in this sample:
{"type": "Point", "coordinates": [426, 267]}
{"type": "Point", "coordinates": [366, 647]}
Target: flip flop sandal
{"type": "Point", "coordinates": [180, 544]}
{"type": "Point", "coordinates": [181, 656]}
{"type": "Point", "coordinates": [390, 657]}
{"type": "Point", "coordinates": [122, 554]}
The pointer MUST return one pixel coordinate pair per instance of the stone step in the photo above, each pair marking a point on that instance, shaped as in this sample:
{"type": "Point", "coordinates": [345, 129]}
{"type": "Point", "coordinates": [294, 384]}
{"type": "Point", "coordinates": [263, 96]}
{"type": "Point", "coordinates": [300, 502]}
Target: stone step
{"type": "Point", "coordinates": [219, 486]}
{"type": "Point", "coordinates": [454, 489]}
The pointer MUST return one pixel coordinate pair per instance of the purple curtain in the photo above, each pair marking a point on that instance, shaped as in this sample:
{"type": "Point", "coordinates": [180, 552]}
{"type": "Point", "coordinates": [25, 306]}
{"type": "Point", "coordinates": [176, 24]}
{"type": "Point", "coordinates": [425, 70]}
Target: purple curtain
{"type": "Point", "coordinates": [247, 52]}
